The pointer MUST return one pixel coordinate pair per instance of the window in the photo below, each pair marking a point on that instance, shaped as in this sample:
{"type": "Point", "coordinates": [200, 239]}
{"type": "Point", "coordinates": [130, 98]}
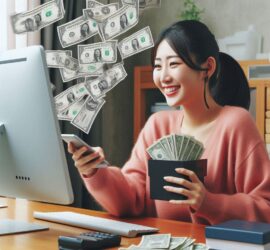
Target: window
{"type": "Point", "coordinates": [8, 39]}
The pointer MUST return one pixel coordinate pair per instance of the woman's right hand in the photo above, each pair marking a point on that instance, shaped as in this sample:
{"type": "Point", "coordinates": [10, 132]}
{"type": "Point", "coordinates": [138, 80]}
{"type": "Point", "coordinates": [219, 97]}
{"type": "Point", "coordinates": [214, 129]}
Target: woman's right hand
{"type": "Point", "coordinates": [86, 162]}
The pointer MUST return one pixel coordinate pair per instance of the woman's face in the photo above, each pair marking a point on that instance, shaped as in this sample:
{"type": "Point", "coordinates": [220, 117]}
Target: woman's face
{"type": "Point", "coordinates": [180, 84]}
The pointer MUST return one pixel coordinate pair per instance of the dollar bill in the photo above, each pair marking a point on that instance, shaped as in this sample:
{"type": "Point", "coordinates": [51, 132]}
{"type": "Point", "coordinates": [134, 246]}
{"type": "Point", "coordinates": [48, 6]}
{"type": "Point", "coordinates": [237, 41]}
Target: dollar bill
{"type": "Point", "coordinates": [136, 43]}
{"type": "Point", "coordinates": [146, 4]}
{"type": "Point", "coordinates": [76, 31]}
{"type": "Point", "coordinates": [103, 52]}
{"type": "Point", "coordinates": [119, 22]}
{"type": "Point", "coordinates": [176, 242]}
{"type": "Point", "coordinates": [87, 114]}
{"type": "Point", "coordinates": [71, 95]}
{"type": "Point", "coordinates": [38, 18]}
{"type": "Point", "coordinates": [92, 69]}
{"type": "Point", "coordinates": [160, 240]}
{"type": "Point", "coordinates": [81, 80]}
{"type": "Point", "coordinates": [176, 147]}
{"type": "Point", "coordinates": [156, 241]}
{"type": "Point", "coordinates": [98, 13]}
{"type": "Point", "coordinates": [70, 113]}
{"type": "Point", "coordinates": [57, 58]}
{"type": "Point", "coordinates": [157, 152]}
{"type": "Point", "coordinates": [92, 4]}
{"type": "Point", "coordinates": [101, 85]}
{"type": "Point", "coordinates": [69, 75]}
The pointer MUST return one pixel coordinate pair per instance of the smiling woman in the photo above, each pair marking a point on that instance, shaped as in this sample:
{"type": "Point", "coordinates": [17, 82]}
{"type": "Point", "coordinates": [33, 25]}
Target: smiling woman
{"type": "Point", "coordinates": [190, 71]}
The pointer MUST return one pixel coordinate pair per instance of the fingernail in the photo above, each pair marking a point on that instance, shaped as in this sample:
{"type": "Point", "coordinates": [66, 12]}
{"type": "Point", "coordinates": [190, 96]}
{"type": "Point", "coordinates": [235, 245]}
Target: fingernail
{"type": "Point", "coordinates": [165, 178]}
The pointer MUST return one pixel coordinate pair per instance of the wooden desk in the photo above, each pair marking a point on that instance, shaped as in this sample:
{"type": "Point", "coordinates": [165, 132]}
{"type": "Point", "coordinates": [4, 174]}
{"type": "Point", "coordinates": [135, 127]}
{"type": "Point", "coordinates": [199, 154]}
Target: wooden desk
{"type": "Point", "coordinates": [47, 240]}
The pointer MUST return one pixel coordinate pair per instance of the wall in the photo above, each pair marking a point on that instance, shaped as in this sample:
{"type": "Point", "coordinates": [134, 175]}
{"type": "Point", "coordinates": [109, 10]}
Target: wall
{"type": "Point", "coordinates": [222, 17]}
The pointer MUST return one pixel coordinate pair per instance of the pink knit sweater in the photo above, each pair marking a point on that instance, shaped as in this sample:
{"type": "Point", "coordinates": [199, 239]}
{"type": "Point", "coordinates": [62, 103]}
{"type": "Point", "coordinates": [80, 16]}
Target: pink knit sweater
{"type": "Point", "coordinates": [237, 182]}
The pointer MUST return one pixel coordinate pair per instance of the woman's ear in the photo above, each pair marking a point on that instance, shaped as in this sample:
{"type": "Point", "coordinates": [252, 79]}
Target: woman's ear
{"type": "Point", "coordinates": [211, 66]}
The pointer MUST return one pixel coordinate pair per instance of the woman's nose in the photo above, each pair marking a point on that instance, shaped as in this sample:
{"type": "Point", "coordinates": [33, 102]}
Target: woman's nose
{"type": "Point", "coordinates": [165, 76]}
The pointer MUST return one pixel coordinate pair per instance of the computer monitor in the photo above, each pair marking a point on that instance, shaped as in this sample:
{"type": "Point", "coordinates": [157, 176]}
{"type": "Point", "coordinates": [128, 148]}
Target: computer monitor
{"type": "Point", "coordinates": [32, 159]}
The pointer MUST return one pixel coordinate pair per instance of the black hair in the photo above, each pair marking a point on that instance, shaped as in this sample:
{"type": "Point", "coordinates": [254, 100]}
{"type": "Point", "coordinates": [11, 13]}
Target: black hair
{"type": "Point", "coordinates": [194, 43]}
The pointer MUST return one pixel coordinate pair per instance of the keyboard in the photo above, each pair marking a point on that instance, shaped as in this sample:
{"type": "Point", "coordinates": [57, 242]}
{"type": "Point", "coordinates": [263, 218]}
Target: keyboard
{"type": "Point", "coordinates": [95, 223]}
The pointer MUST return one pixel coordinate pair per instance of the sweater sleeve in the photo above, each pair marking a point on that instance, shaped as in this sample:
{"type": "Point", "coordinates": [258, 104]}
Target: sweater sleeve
{"type": "Point", "coordinates": [251, 201]}
{"type": "Point", "coordinates": [251, 198]}
{"type": "Point", "coordinates": [121, 192]}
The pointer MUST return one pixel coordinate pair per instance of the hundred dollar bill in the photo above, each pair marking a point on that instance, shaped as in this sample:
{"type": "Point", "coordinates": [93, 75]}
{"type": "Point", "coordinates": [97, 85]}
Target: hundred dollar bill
{"type": "Point", "coordinates": [137, 42]}
{"type": "Point", "coordinates": [70, 113]}
{"type": "Point", "coordinates": [105, 52]}
{"type": "Point", "coordinates": [98, 13]}
{"type": "Point", "coordinates": [56, 58]}
{"type": "Point", "coordinates": [157, 152]}
{"type": "Point", "coordinates": [69, 96]}
{"type": "Point", "coordinates": [119, 22]}
{"type": "Point", "coordinates": [101, 85]}
{"type": "Point", "coordinates": [76, 31]}
{"type": "Point", "coordinates": [38, 18]}
{"type": "Point", "coordinates": [92, 4]}
{"type": "Point", "coordinates": [85, 118]}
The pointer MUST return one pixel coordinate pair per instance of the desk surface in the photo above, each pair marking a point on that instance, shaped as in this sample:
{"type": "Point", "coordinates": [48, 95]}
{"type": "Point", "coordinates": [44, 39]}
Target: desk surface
{"type": "Point", "coordinates": [47, 240]}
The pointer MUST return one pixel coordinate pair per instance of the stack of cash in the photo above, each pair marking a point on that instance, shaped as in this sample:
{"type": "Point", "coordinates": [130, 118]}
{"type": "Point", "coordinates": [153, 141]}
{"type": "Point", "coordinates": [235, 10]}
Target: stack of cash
{"type": "Point", "coordinates": [176, 147]}
{"type": "Point", "coordinates": [165, 241]}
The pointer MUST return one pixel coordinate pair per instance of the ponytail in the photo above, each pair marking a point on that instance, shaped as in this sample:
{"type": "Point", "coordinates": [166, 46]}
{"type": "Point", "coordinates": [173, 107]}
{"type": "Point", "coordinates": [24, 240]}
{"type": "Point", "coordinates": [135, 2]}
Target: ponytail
{"type": "Point", "coordinates": [231, 85]}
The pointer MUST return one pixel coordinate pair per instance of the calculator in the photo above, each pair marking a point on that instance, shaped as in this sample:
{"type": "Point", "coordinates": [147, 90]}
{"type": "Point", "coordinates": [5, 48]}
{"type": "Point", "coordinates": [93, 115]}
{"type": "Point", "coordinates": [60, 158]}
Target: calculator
{"type": "Point", "coordinates": [89, 240]}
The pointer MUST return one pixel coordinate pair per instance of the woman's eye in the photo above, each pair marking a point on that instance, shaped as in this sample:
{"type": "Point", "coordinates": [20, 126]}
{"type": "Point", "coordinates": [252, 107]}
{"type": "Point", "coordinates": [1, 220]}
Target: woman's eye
{"type": "Point", "coordinates": [174, 63]}
{"type": "Point", "coordinates": [157, 66]}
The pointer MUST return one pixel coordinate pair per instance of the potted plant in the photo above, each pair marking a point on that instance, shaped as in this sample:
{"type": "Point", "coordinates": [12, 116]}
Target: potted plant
{"type": "Point", "coordinates": [191, 11]}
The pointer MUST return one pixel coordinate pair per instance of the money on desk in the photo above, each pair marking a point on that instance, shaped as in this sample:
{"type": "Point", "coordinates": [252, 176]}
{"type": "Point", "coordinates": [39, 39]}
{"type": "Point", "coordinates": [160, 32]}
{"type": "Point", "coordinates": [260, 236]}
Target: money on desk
{"type": "Point", "coordinates": [165, 241]}
{"type": "Point", "coordinates": [176, 147]}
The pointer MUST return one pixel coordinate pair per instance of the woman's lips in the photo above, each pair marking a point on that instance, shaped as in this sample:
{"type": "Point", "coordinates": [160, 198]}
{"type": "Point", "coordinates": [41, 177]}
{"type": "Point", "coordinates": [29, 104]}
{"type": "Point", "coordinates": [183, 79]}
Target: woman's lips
{"type": "Point", "coordinates": [172, 90]}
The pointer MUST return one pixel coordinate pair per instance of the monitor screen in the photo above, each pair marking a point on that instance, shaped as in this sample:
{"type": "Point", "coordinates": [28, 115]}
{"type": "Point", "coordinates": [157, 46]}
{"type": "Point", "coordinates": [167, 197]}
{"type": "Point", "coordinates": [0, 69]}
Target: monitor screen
{"type": "Point", "coordinates": [32, 159]}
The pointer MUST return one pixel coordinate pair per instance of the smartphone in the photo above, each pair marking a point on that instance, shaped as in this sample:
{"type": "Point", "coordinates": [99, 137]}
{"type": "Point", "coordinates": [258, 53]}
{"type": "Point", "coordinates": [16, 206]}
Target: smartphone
{"type": "Point", "coordinates": [78, 142]}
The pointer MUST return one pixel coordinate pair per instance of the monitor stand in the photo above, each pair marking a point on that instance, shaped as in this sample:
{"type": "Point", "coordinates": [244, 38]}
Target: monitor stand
{"type": "Point", "coordinates": [8, 226]}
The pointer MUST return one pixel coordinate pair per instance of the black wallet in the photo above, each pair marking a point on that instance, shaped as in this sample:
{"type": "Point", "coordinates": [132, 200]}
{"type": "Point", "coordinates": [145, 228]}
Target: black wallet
{"type": "Point", "coordinates": [157, 169]}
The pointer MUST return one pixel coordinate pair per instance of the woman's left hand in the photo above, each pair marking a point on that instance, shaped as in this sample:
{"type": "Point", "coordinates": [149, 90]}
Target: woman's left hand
{"type": "Point", "coordinates": [194, 189]}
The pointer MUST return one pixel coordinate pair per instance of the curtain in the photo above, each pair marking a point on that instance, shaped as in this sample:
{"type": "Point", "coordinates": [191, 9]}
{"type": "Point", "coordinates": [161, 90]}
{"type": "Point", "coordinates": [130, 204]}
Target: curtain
{"type": "Point", "coordinates": [50, 41]}
{"type": "Point", "coordinates": [112, 128]}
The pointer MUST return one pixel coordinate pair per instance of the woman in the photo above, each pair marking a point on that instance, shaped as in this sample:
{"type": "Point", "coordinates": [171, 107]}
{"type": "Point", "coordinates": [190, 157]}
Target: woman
{"type": "Point", "coordinates": [212, 89]}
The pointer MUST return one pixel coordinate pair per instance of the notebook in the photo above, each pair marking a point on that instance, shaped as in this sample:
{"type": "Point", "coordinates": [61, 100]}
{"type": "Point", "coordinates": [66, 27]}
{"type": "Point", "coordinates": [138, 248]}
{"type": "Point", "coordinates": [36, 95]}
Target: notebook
{"type": "Point", "coordinates": [95, 223]}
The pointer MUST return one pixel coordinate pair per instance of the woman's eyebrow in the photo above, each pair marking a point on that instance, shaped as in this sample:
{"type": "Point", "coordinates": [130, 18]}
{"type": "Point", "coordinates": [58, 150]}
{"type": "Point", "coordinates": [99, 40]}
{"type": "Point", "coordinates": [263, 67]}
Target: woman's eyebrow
{"type": "Point", "coordinates": [167, 57]}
